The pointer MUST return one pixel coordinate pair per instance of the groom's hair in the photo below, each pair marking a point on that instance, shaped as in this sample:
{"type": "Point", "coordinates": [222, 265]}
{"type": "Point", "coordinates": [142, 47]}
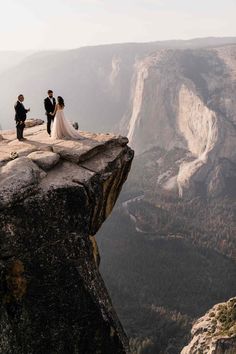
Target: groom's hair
{"type": "Point", "coordinates": [19, 96]}
{"type": "Point", "coordinates": [50, 91]}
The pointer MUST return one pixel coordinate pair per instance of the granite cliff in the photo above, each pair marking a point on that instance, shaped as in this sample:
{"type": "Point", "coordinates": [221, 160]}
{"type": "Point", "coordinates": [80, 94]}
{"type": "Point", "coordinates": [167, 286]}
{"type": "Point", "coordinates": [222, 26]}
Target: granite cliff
{"type": "Point", "coordinates": [215, 332]}
{"type": "Point", "coordinates": [54, 196]}
{"type": "Point", "coordinates": [184, 99]}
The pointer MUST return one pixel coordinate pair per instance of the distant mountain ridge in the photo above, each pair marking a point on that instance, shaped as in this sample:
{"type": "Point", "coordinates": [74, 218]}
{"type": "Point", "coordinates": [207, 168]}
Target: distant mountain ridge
{"type": "Point", "coordinates": [10, 58]}
{"type": "Point", "coordinates": [173, 94]}
{"type": "Point", "coordinates": [99, 74]}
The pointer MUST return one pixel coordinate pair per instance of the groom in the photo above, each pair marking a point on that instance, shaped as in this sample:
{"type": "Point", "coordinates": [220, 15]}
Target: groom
{"type": "Point", "coordinates": [49, 105]}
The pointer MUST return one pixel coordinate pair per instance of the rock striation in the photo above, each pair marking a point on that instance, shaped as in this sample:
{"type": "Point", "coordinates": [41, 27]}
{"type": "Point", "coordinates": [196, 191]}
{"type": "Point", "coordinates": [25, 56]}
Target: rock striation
{"type": "Point", "coordinates": [54, 196]}
{"type": "Point", "coordinates": [185, 99]}
{"type": "Point", "coordinates": [215, 333]}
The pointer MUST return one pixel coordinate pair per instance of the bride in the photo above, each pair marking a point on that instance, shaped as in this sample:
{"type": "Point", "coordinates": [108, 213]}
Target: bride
{"type": "Point", "coordinates": [62, 128]}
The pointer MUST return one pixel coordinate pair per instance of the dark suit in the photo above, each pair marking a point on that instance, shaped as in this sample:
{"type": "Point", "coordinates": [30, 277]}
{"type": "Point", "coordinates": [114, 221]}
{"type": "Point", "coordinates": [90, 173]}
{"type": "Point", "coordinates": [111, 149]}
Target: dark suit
{"type": "Point", "coordinates": [49, 107]}
{"type": "Point", "coordinates": [20, 118]}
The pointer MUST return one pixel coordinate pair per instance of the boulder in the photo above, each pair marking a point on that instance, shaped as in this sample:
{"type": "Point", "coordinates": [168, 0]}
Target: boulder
{"type": "Point", "coordinates": [33, 122]}
{"type": "Point", "coordinates": [44, 159]}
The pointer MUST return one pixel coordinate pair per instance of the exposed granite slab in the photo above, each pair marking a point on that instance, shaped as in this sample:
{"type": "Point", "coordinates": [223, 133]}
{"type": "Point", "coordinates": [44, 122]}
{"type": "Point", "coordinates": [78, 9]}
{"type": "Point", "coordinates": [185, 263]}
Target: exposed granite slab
{"type": "Point", "coordinates": [72, 150]}
{"type": "Point", "coordinates": [15, 146]}
{"type": "Point", "coordinates": [97, 163]}
{"type": "Point", "coordinates": [44, 159]}
{"type": "Point", "coordinates": [65, 174]}
{"type": "Point", "coordinates": [54, 196]}
{"type": "Point", "coordinates": [215, 332]}
{"type": "Point", "coordinates": [17, 179]}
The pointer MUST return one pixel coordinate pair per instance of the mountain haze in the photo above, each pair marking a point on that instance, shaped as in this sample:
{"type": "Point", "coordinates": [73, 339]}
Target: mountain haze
{"type": "Point", "coordinates": [172, 253]}
{"type": "Point", "coordinates": [96, 82]}
{"type": "Point", "coordinates": [9, 59]}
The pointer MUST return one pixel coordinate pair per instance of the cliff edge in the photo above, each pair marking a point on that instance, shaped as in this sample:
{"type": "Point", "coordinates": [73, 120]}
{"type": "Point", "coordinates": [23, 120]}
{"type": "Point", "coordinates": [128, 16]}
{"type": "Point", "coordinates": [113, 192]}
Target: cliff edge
{"type": "Point", "coordinates": [54, 196]}
{"type": "Point", "coordinates": [215, 332]}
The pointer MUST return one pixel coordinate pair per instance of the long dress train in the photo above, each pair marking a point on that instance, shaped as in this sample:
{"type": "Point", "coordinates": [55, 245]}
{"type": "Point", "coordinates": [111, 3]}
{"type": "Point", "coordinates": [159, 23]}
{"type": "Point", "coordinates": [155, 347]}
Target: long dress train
{"type": "Point", "coordinates": [62, 128]}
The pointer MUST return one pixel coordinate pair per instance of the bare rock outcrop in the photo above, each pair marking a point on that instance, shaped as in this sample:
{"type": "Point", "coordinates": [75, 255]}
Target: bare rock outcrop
{"type": "Point", "coordinates": [44, 159]}
{"type": "Point", "coordinates": [33, 122]}
{"type": "Point", "coordinates": [54, 196]}
{"type": "Point", "coordinates": [215, 332]}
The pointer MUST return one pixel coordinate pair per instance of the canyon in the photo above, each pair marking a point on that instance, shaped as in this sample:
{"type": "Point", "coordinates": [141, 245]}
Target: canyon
{"type": "Point", "coordinates": [168, 249]}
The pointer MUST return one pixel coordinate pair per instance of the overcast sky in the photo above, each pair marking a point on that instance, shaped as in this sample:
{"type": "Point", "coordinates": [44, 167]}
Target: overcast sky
{"type": "Point", "coordinates": [50, 24]}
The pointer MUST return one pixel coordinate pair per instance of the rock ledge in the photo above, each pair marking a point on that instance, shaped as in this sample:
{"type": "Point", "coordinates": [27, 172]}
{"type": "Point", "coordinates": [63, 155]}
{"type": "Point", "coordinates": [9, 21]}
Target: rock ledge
{"type": "Point", "coordinates": [54, 196]}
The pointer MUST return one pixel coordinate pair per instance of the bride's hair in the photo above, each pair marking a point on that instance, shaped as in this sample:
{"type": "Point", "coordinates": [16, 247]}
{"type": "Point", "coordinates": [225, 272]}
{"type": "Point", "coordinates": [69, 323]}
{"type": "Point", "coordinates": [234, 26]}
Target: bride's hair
{"type": "Point", "coordinates": [60, 101]}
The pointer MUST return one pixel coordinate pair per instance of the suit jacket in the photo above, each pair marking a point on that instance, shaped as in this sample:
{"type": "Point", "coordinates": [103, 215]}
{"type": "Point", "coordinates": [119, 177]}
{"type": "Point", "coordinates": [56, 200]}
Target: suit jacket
{"type": "Point", "coordinates": [49, 107]}
{"type": "Point", "coordinates": [20, 112]}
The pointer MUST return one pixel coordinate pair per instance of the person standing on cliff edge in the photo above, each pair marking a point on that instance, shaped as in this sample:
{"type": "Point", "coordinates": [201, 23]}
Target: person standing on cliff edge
{"type": "Point", "coordinates": [49, 105]}
{"type": "Point", "coordinates": [20, 117]}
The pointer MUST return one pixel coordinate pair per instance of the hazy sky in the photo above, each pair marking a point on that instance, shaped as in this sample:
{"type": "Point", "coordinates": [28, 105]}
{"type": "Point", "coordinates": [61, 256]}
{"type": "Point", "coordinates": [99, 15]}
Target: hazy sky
{"type": "Point", "coordinates": [46, 24]}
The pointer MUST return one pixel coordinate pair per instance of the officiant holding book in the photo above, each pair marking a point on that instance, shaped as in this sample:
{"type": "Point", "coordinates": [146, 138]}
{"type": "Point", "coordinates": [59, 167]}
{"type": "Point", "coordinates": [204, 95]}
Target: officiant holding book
{"type": "Point", "coordinates": [20, 117]}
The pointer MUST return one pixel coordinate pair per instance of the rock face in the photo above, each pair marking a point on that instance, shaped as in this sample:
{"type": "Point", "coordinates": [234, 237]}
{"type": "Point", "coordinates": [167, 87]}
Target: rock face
{"type": "Point", "coordinates": [186, 99]}
{"type": "Point", "coordinates": [44, 159]}
{"type": "Point", "coordinates": [53, 199]}
{"type": "Point", "coordinates": [33, 122]}
{"type": "Point", "coordinates": [215, 333]}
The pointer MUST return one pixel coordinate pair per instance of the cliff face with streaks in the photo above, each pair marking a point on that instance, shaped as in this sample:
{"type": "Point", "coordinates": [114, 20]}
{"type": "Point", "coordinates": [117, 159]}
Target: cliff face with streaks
{"type": "Point", "coordinates": [54, 196]}
{"type": "Point", "coordinates": [184, 99]}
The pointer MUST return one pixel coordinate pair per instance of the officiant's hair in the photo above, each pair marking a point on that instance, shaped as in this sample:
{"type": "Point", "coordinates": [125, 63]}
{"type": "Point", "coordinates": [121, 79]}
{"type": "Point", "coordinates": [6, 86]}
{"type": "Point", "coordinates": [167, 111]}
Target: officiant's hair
{"type": "Point", "coordinates": [50, 91]}
{"type": "Point", "coordinates": [60, 101]}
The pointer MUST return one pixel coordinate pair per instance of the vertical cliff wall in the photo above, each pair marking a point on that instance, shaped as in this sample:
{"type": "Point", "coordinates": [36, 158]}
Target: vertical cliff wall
{"type": "Point", "coordinates": [184, 99]}
{"type": "Point", "coordinates": [53, 199]}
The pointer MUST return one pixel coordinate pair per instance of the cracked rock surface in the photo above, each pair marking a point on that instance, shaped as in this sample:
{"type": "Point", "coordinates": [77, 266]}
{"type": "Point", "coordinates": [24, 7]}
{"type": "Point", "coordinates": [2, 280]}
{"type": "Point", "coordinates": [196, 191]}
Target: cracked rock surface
{"type": "Point", "coordinates": [54, 196]}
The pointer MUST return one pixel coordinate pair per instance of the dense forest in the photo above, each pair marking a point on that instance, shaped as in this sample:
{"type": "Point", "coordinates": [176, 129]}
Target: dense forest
{"type": "Point", "coordinates": [159, 284]}
{"type": "Point", "coordinates": [209, 224]}
{"type": "Point", "coordinates": [166, 260]}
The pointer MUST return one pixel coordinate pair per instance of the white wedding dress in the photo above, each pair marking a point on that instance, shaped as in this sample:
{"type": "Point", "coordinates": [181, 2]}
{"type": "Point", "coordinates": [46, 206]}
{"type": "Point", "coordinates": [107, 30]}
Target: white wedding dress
{"type": "Point", "coordinates": [62, 128]}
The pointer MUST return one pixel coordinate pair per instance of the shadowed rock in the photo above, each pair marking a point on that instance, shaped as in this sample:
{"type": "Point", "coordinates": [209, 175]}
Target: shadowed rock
{"type": "Point", "coordinates": [53, 199]}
